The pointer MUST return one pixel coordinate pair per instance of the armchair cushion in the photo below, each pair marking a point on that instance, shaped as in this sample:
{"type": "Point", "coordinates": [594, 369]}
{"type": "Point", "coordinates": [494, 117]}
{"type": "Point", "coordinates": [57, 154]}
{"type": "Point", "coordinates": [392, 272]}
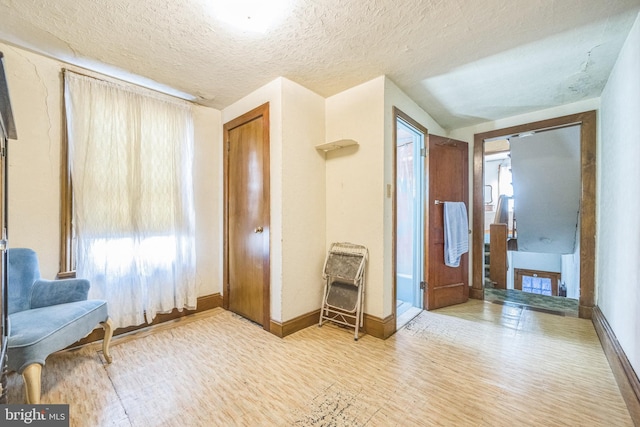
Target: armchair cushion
{"type": "Point", "coordinates": [51, 292]}
{"type": "Point", "coordinates": [38, 332]}
{"type": "Point", "coordinates": [22, 271]}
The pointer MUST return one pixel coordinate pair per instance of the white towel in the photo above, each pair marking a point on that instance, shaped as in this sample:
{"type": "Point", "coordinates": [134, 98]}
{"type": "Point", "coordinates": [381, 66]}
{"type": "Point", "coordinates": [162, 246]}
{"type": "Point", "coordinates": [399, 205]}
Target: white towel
{"type": "Point", "coordinates": [456, 232]}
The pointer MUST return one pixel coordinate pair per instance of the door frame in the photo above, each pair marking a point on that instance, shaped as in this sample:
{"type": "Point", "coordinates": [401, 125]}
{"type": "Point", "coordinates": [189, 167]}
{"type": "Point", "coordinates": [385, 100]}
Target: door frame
{"type": "Point", "coordinates": [399, 114]}
{"type": "Point", "coordinates": [261, 111]}
{"type": "Point", "coordinates": [587, 122]}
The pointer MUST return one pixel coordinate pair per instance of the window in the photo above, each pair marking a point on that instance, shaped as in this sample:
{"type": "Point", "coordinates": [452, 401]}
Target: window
{"type": "Point", "coordinates": [536, 282]}
{"type": "Point", "coordinates": [129, 218]}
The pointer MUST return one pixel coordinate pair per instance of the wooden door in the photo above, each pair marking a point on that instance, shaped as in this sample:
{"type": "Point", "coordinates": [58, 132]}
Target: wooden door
{"type": "Point", "coordinates": [247, 216]}
{"type": "Point", "coordinates": [448, 180]}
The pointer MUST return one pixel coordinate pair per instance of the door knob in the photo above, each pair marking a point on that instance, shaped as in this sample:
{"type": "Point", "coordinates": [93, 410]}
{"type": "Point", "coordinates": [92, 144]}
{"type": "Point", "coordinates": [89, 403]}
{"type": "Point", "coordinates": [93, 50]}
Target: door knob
{"type": "Point", "coordinates": [258, 230]}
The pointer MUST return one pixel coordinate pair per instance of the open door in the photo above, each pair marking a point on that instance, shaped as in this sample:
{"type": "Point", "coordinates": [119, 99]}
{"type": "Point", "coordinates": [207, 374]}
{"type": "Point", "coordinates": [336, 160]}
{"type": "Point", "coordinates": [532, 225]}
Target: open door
{"type": "Point", "coordinates": [447, 175]}
{"type": "Point", "coordinates": [408, 217]}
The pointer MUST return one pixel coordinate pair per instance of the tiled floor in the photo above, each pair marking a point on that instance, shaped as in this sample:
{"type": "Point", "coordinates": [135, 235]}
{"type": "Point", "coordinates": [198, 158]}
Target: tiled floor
{"type": "Point", "coordinates": [475, 364]}
{"type": "Point", "coordinates": [559, 305]}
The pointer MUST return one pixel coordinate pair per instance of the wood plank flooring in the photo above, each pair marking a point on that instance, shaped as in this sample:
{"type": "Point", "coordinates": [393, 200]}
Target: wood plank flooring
{"type": "Point", "coordinates": [475, 364]}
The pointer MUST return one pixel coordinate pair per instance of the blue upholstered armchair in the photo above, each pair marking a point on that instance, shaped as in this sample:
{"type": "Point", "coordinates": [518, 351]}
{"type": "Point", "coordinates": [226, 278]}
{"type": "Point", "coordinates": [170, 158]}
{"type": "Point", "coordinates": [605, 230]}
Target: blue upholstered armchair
{"type": "Point", "coordinates": [46, 316]}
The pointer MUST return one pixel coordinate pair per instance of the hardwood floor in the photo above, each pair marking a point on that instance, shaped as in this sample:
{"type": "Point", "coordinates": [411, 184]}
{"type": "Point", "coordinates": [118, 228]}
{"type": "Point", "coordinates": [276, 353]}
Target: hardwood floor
{"type": "Point", "coordinates": [476, 364]}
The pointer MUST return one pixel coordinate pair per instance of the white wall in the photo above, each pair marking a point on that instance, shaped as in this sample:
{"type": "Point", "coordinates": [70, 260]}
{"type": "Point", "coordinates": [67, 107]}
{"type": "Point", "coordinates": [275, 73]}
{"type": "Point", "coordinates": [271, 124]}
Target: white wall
{"type": "Point", "coordinates": [303, 200]}
{"type": "Point", "coordinates": [207, 172]}
{"type": "Point", "coordinates": [618, 242]}
{"type": "Point", "coordinates": [547, 186]}
{"type": "Point", "coordinates": [571, 271]}
{"type": "Point", "coordinates": [355, 180]}
{"type": "Point", "coordinates": [35, 86]}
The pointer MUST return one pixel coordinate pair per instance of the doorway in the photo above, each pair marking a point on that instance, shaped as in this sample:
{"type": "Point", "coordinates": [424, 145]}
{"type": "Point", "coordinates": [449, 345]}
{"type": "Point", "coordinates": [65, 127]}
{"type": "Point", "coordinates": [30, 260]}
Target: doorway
{"type": "Point", "coordinates": [535, 231]}
{"type": "Point", "coordinates": [409, 217]}
{"type": "Point", "coordinates": [586, 221]}
{"type": "Point", "coordinates": [431, 175]}
{"type": "Point", "coordinates": [246, 216]}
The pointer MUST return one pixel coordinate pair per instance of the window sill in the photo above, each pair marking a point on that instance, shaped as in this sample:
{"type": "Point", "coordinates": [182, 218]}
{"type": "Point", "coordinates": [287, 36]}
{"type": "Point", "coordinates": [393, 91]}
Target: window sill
{"type": "Point", "coordinates": [66, 275]}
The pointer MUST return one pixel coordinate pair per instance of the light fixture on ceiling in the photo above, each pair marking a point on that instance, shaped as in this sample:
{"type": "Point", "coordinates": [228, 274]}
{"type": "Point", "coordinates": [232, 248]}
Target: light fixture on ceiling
{"type": "Point", "coordinates": [256, 16]}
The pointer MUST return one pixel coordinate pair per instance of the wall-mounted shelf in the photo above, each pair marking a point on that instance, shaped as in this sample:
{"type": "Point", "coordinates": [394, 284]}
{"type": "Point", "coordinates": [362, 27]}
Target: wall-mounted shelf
{"type": "Point", "coordinates": [334, 145]}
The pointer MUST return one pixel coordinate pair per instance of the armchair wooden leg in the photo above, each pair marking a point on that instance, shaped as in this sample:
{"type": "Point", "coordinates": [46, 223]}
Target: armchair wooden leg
{"type": "Point", "coordinates": [108, 334]}
{"type": "Point", "coordinates": [31, 376]}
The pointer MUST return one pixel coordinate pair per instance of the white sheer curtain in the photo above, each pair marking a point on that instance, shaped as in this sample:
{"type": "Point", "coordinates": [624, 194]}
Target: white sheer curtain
{"type": "Point", "coordinates": [130, 157]}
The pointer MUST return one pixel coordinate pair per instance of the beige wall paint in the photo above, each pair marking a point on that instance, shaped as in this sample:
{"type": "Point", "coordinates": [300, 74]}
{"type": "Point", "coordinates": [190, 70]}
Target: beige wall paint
{"type": "Point", "coordinates": [207, 190]}
{"type": "Point", "coordinates": [35, 88]}
{"type": "Point", "coordinates": [303, 200]}
{"type": "Point", "coordinates": [35, 85]}
{"type": "Point", "coordinates": [355, 180]}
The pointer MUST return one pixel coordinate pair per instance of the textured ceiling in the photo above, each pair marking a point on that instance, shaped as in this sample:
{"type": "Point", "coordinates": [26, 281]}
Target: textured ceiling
{"type": "Point", "coordinates": [464, 62]}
